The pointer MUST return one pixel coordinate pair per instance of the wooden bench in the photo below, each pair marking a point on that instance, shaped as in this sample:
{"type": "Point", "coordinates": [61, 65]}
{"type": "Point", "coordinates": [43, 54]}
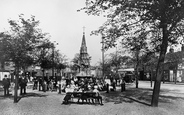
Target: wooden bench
{"type": "Point", "coordinates": [87, 96]}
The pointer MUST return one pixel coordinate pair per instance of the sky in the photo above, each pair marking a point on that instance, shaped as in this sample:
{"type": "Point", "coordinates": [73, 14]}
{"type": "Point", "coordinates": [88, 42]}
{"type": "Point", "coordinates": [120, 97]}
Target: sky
{"type": "Point", "coordinates": [61, 20]}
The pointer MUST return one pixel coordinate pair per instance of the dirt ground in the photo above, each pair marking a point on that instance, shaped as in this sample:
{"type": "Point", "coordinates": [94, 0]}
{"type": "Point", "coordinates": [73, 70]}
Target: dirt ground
{"type": "Point", "coordinates": [131, 102]}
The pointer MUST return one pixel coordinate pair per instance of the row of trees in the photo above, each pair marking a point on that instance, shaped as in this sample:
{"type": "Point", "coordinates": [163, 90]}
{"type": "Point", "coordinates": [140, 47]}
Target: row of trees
{"type": "Point", "coordinates": [148, 25]}
{"type": "Point", "coordinates": [127, 59]}
{"type": "Point", "coordinates": [25, 45]}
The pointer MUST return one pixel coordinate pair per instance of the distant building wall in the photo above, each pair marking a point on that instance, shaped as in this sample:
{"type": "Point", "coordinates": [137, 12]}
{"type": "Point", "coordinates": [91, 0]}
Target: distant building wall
{"type": "Point", "coordinates": [2, 74]}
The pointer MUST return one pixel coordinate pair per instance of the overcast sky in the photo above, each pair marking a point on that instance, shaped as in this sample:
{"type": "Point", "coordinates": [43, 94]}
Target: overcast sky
{"type": "Point", "coordinates": [61, 19]}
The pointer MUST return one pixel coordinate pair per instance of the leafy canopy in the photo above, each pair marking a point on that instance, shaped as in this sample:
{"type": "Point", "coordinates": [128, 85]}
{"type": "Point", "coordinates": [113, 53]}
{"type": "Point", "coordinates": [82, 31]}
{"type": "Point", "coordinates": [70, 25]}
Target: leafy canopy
{"type": "Point", "coordinates": [126, 17]}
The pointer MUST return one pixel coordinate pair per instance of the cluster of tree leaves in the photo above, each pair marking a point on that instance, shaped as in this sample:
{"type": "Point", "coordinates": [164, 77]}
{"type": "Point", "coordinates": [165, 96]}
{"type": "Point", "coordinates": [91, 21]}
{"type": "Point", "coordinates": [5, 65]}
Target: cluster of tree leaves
{"type": "Point", "coordinates": [75, 61]}
{"type": "Point", "coordinates": [78, 62]}
{"type": "Point", "coordinates": [115, 61]}
{"type": "Point", "coordinates": [60, 60]}
{"type": "Point", "coordinates": [125, 17]}
{"type": "Point", "coordinates": [175, 57]}
{"type": "Point", "coordinates": [173, 60]}
{"type": "Point", "coordinates": [25, 44]}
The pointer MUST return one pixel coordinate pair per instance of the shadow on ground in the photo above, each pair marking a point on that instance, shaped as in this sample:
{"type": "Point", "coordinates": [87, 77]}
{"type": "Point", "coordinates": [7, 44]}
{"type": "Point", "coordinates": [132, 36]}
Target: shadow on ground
{"type": "Point", "coordinates": [140, 95]}
{"type": "Point", "coordinates": [27, 95]}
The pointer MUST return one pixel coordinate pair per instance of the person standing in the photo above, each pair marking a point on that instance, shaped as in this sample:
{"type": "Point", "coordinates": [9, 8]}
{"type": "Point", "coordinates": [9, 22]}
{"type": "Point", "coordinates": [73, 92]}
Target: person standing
{"type": "Point", "coordinates": [23, 84]}
{"type": "Point", "coordinates": [51, 85]}
{"type": "Point", "coordinates": [40, 80]}
{"type": "Point", "coordinates": [114, 85]}
{"type": "Point", "coordinates": [44, 86]}
{"type": "Point", "coordinates": [6, 85]}
{"type": "Point", "coordinates": [35, 81]}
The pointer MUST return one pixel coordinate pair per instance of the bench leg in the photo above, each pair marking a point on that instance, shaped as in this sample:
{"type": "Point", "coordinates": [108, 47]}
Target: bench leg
{"type": "Point", "coordinates": [100, 100]}
{"type": "Point", "coordinates": [78, 100]}
{"type": "Point", "coordinates": [93, 100]}
{"type": "Point", "coordinates": [89, 101]}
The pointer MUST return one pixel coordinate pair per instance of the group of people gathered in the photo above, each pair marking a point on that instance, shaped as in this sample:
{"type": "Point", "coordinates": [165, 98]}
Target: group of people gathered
{"type": "Point", "coordinates": [6, 85]}
{"type": "Point", "coordinates": [46, 84]}
{"type": "Point", "coordinates": [22, 83]}
{"type": "Point", "coordinates": [84, 85]}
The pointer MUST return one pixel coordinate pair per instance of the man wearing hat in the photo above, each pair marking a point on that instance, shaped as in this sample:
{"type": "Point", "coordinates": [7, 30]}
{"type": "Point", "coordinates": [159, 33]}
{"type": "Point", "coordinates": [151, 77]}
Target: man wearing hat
{"type": "Point", "coordinates": [23, 84]}
{"type": "Point", "coordinates": [6, 84]}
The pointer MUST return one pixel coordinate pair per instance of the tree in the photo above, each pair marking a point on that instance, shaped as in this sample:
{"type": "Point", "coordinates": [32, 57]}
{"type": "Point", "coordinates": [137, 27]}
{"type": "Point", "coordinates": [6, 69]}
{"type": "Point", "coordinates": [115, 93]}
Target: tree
{"type": "Point", "coordinates": [60, 61]}
{"type": "Point", "coordinates": [136, 45]}
{"type": "Point", "coordinates": [43, 54]}
{"type": "Point", "coordinates": [4, 45]}
{"type": "Point", "coordinates": [162, 19]}
{"type": "Point", "coordinates": [149, 62]}
{"type": "Point", "coordinates": [75, 61]}
{"type": "Point", "coordinates": [22, 39]}
{"type": "Point", "coordinates": [114, 61]}
{"type": "Point", "coordinates": [76, 58]}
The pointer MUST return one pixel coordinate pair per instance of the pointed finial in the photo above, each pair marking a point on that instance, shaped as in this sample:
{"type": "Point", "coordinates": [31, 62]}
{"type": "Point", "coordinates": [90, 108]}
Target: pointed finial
{"type": "Point", "coordinates": [84, 29]}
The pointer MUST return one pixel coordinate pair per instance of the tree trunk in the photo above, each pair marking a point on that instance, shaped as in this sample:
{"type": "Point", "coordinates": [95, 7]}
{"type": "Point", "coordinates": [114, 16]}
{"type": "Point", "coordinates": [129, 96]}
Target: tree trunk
{"type": "Point", "coordinates": [136, 68]}
{"type": "Point", "coordinates": [151, 78]}
{"type": "Point", "coordinates": [43, 79]}
{"type": "Point", "coordinates": [16, 84]}
{"type": "Point", "coordinates": [159, 71]}
{"type": "Point", "coordinates": [136, 79]}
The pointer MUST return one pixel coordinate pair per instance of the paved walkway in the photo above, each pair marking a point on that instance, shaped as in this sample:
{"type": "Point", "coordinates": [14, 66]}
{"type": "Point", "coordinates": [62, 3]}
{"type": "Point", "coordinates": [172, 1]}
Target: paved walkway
{"type": "Point", "coordinates": [131, 102]}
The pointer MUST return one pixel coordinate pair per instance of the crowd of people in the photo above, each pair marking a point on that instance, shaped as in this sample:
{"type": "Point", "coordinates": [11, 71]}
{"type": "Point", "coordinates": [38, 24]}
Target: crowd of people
{"type": "Point", "coordinates": [84, 84]}
{"type": "Point", "coordinates": [46, 84]}
{"type": "Point", "coordinates": [22, 83]}
{"type": "Point", "coordinates": [73, 84]}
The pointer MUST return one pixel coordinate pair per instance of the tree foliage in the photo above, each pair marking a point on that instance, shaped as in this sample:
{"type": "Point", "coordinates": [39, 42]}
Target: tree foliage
{"type": "Point", "coordinates": [76, 61]}
{"type": "Point", "coordinates": [126, 17]}
{"type": "Point", "coordinates": [162, 20]}
{"type": "Point", "coordinates": [21, 41]}
{"type": "Point", "coordinates": [60, 60]}
{"type": "Point", "coordinates": [116, 60]}
{"type": "Point", "coordinates": [175, 57]}
{"type": "Point", "coordinates": [43, 54]}
{"type": "Point", "coordinates": [76, 58]}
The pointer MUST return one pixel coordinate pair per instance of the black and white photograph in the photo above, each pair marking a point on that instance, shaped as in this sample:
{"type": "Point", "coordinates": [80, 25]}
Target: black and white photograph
{"type": "Point", "coordinates": [92, 57]}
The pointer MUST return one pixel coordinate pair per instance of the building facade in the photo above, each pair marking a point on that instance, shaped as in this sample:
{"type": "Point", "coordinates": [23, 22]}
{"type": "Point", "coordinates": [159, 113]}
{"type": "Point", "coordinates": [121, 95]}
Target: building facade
{"type": "Point", "coordinates": [174, 66]}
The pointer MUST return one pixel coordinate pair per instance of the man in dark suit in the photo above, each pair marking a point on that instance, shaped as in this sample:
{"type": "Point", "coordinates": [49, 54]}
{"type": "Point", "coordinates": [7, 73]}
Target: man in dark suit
{"type": "Point", "coordinates": [23, 84]}
{"type": "Point", "coordinates": [6, 84]}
